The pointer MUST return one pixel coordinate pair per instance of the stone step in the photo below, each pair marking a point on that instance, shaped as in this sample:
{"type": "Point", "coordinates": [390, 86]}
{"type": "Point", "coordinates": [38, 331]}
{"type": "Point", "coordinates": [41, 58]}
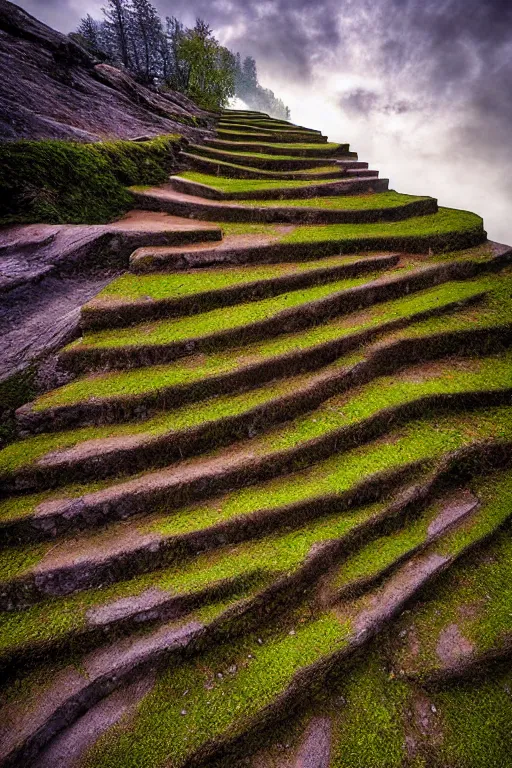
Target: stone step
{"type": "Point", "coordinates": [230, 134]}
{"type": "Point", "coordinates": [198, 479]}
{"type": "Point", "coordinates": [224, 168]}
{"type": "Point", "coordinates": [167, 199]}
{"type": "Point", "coordinates": [114, 402]}
{"type": "Point", "coordinates": [272, 191]}
{"type": "Point", "coordinates": [337, 637]}
{"type": "Point", "coordinates": [330, 150]}
{"type": "Point", "coordinates": [137, 348]}
{"type": "Point", "coordinates": [278, 163]}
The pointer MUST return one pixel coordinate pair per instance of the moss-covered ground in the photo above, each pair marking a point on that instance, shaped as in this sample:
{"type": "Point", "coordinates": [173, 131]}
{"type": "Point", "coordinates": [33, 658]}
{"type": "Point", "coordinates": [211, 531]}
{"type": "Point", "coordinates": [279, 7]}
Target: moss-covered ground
{"type": "Point", "coordinates": [61, 181]}
{"type": "Point", "coordinates": [291, 554]}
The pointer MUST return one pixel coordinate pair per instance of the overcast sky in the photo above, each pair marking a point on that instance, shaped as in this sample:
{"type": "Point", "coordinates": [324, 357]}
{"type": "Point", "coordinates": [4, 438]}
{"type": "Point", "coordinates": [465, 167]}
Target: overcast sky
{"type": "Point", "coordinates": [421, 88]}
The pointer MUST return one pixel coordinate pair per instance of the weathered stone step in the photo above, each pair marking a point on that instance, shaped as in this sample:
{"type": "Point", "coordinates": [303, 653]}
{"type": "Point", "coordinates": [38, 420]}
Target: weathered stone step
{"type": "Point", "coordinates": [244, 562]}
{"type": "Point", "coordinates": [437, 235]}
{"type": "Point", "coordinates": [72, 692]}
{"type": "Point", "coordinates": [199, 479]}
{"type": "Point", "coordinates": [124, 552]}
{"type": "Point", "coordinates": [334, 650]}
{"type": "Point", "coordinates": [167, 199]}
{"type": "Point", "coordinates": [255, 160]}
{"type": "Point", "coordinates": [103, 312]}
{"type": "Point", "coordinates": [229, 377]}
{"type": "Point", "coordinates": [92, 354]}
{"type": "Point", "coordinates": [219, 167]}
{"type": "Point", "coordinates": [269, 148]}
{"type": "Point", "coordinates": [230, 134]}
{"type": "Point", "coordinates": [267, 125]}
{"type": "Point", "coordinates": [345, 186]}
{"type": "Point", "coordinates": [450, 510]}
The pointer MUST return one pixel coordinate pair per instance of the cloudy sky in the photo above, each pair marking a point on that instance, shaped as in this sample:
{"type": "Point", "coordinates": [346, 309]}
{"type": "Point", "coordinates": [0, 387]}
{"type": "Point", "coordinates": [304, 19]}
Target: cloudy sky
{"type": "Point", "coordinates": [422, 89]}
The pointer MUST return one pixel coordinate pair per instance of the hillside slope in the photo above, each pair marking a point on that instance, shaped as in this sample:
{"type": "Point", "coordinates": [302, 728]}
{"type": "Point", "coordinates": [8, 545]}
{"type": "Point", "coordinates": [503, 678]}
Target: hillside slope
{"type": "Point", "coordinates": [52, 88]}
{"type": "Point", "coordinates": [266, 522]}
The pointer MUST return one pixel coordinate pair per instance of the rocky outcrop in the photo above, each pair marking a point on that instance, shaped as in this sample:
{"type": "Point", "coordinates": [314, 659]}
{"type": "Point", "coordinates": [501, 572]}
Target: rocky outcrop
{"type": "Point", "coordinates": [50, 88]}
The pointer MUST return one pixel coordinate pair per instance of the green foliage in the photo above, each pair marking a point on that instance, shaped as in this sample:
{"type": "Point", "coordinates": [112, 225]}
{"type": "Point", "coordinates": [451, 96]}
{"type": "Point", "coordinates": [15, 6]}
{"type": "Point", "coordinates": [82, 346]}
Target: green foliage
{"type": "Point", "coordinates": [211, 79]}
{"type": "Point", "coordinates": [66, 182]}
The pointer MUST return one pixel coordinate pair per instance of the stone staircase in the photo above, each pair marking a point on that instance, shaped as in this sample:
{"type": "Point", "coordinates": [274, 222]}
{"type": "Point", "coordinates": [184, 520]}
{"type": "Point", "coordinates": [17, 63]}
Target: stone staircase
{"type": "Point", "coordinates": [249, 520]}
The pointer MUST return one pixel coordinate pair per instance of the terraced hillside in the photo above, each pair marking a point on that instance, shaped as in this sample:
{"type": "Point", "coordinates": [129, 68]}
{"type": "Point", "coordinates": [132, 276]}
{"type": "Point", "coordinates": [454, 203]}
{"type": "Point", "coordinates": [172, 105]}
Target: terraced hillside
{"type": "Point", "coordinates": [267, 520]}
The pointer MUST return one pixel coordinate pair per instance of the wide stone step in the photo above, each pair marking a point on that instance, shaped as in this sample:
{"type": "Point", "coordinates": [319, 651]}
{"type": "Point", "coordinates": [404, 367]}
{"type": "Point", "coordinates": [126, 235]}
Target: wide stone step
{"type": "Point", "coordinates": [169, 341]}
{"type": "Point", "coordinates": [224, 168]}
{"type": "Point", "coordinates": [210, 188]}
{"type": "Point", "coordinates": [198, 479]}
{"type": "Point", "coordinates": [298, 150]}
{"type": "Point", "coordinates": [167, 199]}
{"type": "Point", "coordinates": [281, 162]}
{"type": "Point", "coordinates": [191, 430]}
{"type": "Point", "coordinates": [116, 397]}
{"type": "Point", "coordinates": [230, 134]}
{"type": "Point", "coordinates": [113, 311]}
{"type": "Point", "coordinates": [336, 638]}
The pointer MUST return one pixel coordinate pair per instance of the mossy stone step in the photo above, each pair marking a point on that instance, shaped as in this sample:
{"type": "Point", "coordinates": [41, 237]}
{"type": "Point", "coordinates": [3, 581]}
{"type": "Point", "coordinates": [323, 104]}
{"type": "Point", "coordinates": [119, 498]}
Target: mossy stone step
{"type": "Point", "coordinates": [221, 167]}
{"type": "Point", "coordinates": [279, 163]}
{"type": "Point", "coordinates": [269, 148]}
{"type": "Point", "coordinates": [354, 210]}
{"type": "Point", "coordinates": [215, 188]}
{"type": "Point", "coordinates": [230, 134]}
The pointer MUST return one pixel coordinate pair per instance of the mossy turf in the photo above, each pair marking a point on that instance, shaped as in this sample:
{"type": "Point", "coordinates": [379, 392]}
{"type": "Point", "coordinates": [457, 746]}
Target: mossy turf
{"type": "Point", "coordinates": [346, 202]}
{"type": "Point", "coordinates": [226, 184]}
{"type": "Point", "coordinates": [447, 220]}
{"type": "Point", "coordinates": [249, 565]}
{"type": "Point", "coordinates": [475, 597]}
{"type": "Point", "coordinates": [104, 385]}
{"type": "Point", "coordinates": [242, 155]}
{"type": "Point", "coordinates": [214, 321]}
{"type": "Point", "coordinates": [65, 182]}
{"type": "Point", "coordinates": [170, 285]}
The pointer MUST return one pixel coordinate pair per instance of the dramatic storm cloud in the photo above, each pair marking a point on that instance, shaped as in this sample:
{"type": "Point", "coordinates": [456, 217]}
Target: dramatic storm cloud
{"type": "Point", "coordinates": [421, 88]}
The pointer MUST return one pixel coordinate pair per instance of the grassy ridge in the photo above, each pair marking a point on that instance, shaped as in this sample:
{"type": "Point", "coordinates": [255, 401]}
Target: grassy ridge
{"type": "Point", "coordinates": [65, 182]}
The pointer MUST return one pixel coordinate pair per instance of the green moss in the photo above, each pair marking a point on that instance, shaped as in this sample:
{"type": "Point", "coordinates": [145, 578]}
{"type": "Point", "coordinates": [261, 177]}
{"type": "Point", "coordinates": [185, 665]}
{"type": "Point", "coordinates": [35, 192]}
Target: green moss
{"type": "Point", "coordinates": [214, 321]}
{"type": "Point", "coordinates": [327, 147]}
{"type": "Point", "coordinates": [369, 730]}
{"type": "Point", "coordinates": [226, 184]}
{"type": "Point", "coordinates": [476, 595]}
{"type": "Point", "coordinates": [418, 441]}
{"type": "Point", "coordinates": [160, 734]}
{"type": "Point", "coordinates": [130, 287]}
{"type": "Point", "coordinates": [476, 719]}
{"type": "Point", "coordinates": [239, 157]}
{"type": "Point", "coordinates": [447, 220]}
{"type": "Point", "coordinates": [61, 181]}
{"type": "Point", "coordinates": [195, 368]}
{"type": "Point", "coordinates": [346, 202]}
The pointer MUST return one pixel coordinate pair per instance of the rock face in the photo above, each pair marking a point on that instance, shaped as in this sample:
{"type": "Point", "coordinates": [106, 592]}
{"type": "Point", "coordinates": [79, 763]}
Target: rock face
{"type": "Point", "coordinates": [50, 88]}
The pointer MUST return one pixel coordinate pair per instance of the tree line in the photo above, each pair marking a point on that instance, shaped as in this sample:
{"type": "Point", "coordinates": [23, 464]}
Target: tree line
{"type": "Point", "coordinates": [166, 54]}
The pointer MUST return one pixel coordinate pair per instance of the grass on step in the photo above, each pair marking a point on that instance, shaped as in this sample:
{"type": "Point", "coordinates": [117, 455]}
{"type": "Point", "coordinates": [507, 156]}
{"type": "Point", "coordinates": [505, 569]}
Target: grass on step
{"type": "Point", "coordinates": [253, 564]}
{"type": "Point", "coordinates": [213, 321]}
{"type": "Point", "coordinates": [418, 441]}
{"type": "Point", "coordinates": [445, 221]}
{"type": "Point", "coordinates": [344, 202]}
{"type": "Point", "coordinates": [195, 368]}
{"type": "Point", "coordinates": [369, 729]}
{"type": "Point", "coordinates": [225, 184]}
{"type": "Point", "coordinates": [242, 154]}
{"type": "Point", "coordinates": [215, 694]}
{"type": "Point", "coordinates": [444, 377]}
{"type": "Point", "coordinates": [130, 287]}
{"type": "Point", "coordinates": [323, 147]}
{"type": "Point", "coordinates": [475, 597]}
{"type": "Point", "coordinates": [495, 310]}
